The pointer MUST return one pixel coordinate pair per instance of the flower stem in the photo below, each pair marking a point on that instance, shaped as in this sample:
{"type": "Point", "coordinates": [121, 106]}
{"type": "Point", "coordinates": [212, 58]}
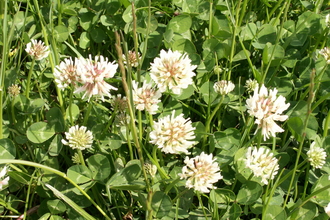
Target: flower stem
{"type": "Point", "coordinates": [201, 204]}
{"type": "Point", "coordinates": [208, 122]}
{"type": "Point", "coordinates": [309, 107]}
{"type": "Point", "coordinates": [28, 82]}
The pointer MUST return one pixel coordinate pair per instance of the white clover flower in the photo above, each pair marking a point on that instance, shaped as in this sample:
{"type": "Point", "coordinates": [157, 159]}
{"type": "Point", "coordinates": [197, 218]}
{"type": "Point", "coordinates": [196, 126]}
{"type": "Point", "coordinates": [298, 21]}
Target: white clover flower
{"type": "Point", "coordinates": [3, 181]}
{"type": "Point", "coordinates": [223, 87]}
{"type": "Point", "coordinates": [327, 20]}
{"type": "Point", "coordinates": [146, 97]}
{"type": "Point", "coordinates": [267, 108]}
{"type": "Point", "coordinates": [262, 163]}
{"type": "Point", "coordinates": [14, 90]}
{"type": "Point", "coordinates": [251, 85]}
{"type": "Point", "coordinates": [172, 71]}
{"type": "Point", "coordinates": [150, 168]}
{"type": "Point", "coordinates": [173, 135]}
{"type": "Point", "coordinates": [66, 73]}
{"type": "Point", "coordinates": [326, 53]}
{"type": "Point", "coordinates": [317, 156]}
{"type": "Point", "coordinates": [327, 209]}
{"type": "Point", "coordinates": [37, 50]}
{"type": "Point", "coordinates": [201, 172]}
{"type": "Point", "coordinates": [92, 75]}
{"type": "Point", "coordinates": [132, 59]}
{"type": "Point", "coordinates": [78, 138]}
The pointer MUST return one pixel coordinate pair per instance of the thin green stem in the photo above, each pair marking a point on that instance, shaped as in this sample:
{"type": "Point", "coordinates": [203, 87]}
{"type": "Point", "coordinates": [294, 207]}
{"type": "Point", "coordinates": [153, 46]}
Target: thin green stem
{"type": "Point", "coordinates": [89, 109]}
{"type": "Point", "coordinates": [28, 82]}
{"type": "Point", "coordinates": [309, 111]}
{"type": "Point", "coordinates": [201, 204]}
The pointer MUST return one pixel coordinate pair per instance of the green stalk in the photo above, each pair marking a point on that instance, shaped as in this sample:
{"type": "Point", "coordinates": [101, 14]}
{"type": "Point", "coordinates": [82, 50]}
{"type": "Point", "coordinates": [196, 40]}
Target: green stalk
{"type": "Point", "coordinates": [89, 110]}
{"type": "Point", "coordinates": [201, 203]}
{"type": "Point", "coordinates": [28, 82]}
{"type": "Point", "coordinates": [130, 109]}
{"type": "Point", "coordinates": [3, 14]}
{"type": "Point", "coordinates": [209, 120]}
{"type": "Point", "coordinates": [59, 173]}
{"type": "Point", "coordinates": [309, 111]}
{"type": "Point", "coordinates": [326, 125]}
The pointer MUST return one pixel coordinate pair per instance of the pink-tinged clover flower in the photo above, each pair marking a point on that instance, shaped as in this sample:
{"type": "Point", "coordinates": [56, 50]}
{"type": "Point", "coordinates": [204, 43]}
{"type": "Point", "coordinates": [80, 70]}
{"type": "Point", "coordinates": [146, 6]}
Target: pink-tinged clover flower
{"type": "Point", "coordinates": [267, 108]}
{"type": "Point", "coordinates": [146, 97]}
{"type": "Point", "coordinates": [172, 134]}
{"type": "Point", "coordinates": [92, 75]}
{"type": "Point", "coordinates": [37, 50]}
{"type": "Point", "coordinates": [66, 73]}
{"type": "Point", "coordinates": [172, 71]}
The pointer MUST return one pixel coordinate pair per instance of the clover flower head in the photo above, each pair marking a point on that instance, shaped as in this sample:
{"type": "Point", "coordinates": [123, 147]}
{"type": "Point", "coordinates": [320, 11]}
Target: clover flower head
{"type": "Point", "coordinates": [66, 73]}
{"type": "Point", "coordinates": [326, 53]}
{"type": "Point", "coordinates": [327, 20]}
{"type": "Point", "coordinates": [131, 58]}
{"type": "Point", "coordinates": [14, 90]}
{"type": "Point", "coordinates": [327, 209]}
{"type": "Point", "coordinates": [172, 134]}
{"type": "Point", "coordinates": [201, 172]}
{"type": "Point", "coordinates": [223, 87]}
{"type": "Point", "coordinates": [78, 138]}
{"type": "Point", "coordinates": [150, 168]}
{"type": "Point", "coordinates": [146, 97]}
{"type": "Point", "coordinates": [3, 181]}
{"type": "Point", "coordinates": [317, 156]}
{"type": "Point", "coordinates": [173, 71]}
{"type": "Point", "coordinates": [251, 85]}
{"type": "Point", "coordinates": [262, 163]}
{"type": "Point", "coordinates": [92, 74]}
{"type": "Point", "coordinates": [37, 50]}
{"type": "Point", "coordinates": [267, 108]}
{"type": "Point", "coordinates": [118, 102]}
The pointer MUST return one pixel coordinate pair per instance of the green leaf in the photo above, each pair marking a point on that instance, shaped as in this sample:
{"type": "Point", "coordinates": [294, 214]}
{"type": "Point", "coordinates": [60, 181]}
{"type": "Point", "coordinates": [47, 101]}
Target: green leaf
{"type": "Point", "coordinates": [85, 18]}
{"type": "Point", "coordinates": [98, 35]}
{"type": "Point", "coordinates": [85, 40]}
{"type": "Point", "coordinates": [222, 196]}
{"type": "Point", "coordinates": [307, 211]}
{"type": "Point", "coordinates": [35, 105]}
{"type": "Point", "coordinates": [74, 111]}
{"type": "Point", "coordinates": [61, 33]}
{"type": "Point", "coordinates": [56, 206]}
{"type": "Point", "coordinates": [208, 93]}
{"type": "Point", "coordinates": [76, 207]}
{"type": "Point", "coordinates": [296, 127]}
{"type": "Point", "coordinates": [20, 177]}
{"type": "Point", "coordinates": [55, 118]}
{"type": "Point", "coordinates": [267, 34]}
{"type": "Point", "coordinates": [273, 53]}
{"type": "Point", "coordinates": [185, 94]}
{"type": "Point", "coordinates": [233, 212]}
{"type": "Point", "coordinates": [249, 193]}
{"type": "Point", "coordinates": [125, 178]}
{"type": "Point", "coordinates": [322, 198]}
{"type": "Point", "coordinates": [227, 138]}
{"type": "Point", "coordinates": [7, 149]}
{"type": "Point", "coordinates": [180, 24]}
{"type": "Point", "coordinates": [184, 46]}
{"type": "Point", "coordinates": [240, 56]}
{"type": "Point", "coordinates": [249, 31]}
{"type": "Point", "coordinates": [100, 166]}
{"type": "Point", "coordinates": [40, 132]}
{"type": "Point", "coordinates": [161, 204]}
{"type": "Point", "coordinates": [275, 212]}
{"type": "Point", "coordinates": [79, 174]}
{"type": "Point", "coordinates": [55, 146]}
